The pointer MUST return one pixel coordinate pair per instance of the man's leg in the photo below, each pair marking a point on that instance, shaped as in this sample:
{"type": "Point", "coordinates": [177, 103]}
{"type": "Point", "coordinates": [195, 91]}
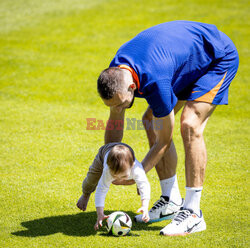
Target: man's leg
{"type": "Point", "coordinates": [193, 121]}
{"type": "Point", "coordinates": [171, 200]}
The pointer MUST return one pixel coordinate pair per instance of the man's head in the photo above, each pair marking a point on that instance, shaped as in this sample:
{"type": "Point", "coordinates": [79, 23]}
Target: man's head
{"type": "Point", "coordinates": [116, 88]}
{"type": "Point", "coordinates": [120, 160]}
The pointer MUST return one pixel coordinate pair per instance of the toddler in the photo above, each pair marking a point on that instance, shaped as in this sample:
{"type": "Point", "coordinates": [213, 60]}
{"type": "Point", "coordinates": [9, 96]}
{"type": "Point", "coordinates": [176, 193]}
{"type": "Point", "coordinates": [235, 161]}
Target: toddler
{"type": "Point", "coordinates": [114, 161]}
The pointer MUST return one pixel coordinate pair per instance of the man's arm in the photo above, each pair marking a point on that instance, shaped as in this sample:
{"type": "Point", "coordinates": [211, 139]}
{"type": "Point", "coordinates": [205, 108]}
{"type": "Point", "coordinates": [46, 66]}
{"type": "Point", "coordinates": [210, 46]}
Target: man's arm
{"type": "Point", "coordinates": [115, 125]}
{"type": "Point", "coordinates": [163, 141]}
{"type": "Point", "coordinates": [114, 133]}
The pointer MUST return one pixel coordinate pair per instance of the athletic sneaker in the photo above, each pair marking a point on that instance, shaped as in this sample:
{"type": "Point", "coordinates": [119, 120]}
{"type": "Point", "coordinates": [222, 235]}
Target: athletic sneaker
{"type": "Point", "coordinates": [185, 222]}
{"type": "Point", "coordinates": [163, 209]}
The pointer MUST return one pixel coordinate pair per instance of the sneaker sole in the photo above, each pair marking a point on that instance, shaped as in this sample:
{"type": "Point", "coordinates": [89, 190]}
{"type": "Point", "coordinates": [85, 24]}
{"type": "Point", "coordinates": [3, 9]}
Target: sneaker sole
{"type": "Point", "coordinates": [198, 229]}
{"type": "Point", "coordinates": [171, 235]}
{"type": "Point", "coordinates": [169, 217]}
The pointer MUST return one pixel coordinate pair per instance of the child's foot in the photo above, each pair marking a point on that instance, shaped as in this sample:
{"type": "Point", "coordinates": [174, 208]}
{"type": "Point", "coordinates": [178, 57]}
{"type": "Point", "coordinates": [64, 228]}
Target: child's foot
{"type": "Point", "coordinates": [83, 202]}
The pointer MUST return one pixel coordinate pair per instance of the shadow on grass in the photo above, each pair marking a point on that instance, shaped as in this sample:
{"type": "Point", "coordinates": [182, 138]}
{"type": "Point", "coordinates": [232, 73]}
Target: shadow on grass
{"type": "Point", "coordinates": [81, 224]}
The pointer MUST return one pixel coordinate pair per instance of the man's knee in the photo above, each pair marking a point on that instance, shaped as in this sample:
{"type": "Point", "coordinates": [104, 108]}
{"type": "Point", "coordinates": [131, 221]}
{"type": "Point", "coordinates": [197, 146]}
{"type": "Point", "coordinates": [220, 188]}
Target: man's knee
{"type": "Point", "coordinates": [194, 118]}
{"type": "Point", "coordinates": [190, 128]}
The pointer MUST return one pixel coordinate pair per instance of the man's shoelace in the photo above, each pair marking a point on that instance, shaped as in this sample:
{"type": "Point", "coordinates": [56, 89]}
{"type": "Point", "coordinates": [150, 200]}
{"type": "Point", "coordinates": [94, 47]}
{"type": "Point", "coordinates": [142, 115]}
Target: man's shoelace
{"type": "Point", "coordinates": [181, 216]}
{"type": "Point", "coordinates": [159, 204]}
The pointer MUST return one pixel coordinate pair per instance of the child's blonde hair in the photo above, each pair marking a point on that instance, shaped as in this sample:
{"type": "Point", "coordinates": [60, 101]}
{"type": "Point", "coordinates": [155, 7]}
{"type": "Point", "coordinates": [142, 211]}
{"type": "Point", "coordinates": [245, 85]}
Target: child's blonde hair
{"type": "Point", "coordinates": [119, 158]}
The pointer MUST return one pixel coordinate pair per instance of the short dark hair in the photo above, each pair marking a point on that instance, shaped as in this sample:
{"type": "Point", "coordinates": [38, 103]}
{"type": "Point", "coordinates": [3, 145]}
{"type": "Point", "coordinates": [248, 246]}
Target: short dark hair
{"type": "Point", "coordinates": [110, 82]}
{"type": "Point", "coordinates": [119, 158]}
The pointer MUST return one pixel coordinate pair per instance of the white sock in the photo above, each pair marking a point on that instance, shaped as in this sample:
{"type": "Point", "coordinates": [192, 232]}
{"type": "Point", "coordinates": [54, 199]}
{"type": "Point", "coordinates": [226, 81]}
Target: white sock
{"type": "Point", "coordinates": [169, 187]}
{"type": "Point", "coordinates": [192, 199]}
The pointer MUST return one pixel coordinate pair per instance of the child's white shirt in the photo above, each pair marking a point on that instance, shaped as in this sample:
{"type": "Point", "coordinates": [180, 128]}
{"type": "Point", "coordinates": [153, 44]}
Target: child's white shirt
{"type": "Point", "coordinates": [137, 173]}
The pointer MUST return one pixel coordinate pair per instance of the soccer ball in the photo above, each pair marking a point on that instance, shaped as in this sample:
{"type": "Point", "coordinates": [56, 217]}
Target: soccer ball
{"type": "Point", "coordinates": [118, 224]}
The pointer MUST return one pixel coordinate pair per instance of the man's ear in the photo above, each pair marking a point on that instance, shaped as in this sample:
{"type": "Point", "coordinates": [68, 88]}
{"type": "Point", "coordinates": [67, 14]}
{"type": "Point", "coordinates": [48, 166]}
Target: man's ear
{"type": "Point", "coordinates": [132, 86]}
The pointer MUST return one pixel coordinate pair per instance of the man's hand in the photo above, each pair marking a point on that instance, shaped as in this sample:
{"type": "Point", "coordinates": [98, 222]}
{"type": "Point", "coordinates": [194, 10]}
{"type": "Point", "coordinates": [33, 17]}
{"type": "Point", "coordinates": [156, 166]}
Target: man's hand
{"type": "Point", "coordinates": [124, 182]}
{"type": "Point", "coordinates": [162, 143]}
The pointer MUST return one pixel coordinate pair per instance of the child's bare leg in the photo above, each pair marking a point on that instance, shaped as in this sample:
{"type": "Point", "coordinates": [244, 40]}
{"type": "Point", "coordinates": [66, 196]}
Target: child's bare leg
{"type": "Point", "coordinates": [83, 202]}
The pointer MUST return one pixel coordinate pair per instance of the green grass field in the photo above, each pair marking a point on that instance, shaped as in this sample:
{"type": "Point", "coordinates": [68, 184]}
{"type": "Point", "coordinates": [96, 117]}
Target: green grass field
{"type": "Point", "coordinates": [51, 53]}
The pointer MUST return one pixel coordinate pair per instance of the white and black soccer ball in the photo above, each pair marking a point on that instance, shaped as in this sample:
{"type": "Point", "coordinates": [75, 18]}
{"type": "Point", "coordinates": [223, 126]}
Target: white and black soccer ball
{"type": "Point", "coordinates": [118, 224]}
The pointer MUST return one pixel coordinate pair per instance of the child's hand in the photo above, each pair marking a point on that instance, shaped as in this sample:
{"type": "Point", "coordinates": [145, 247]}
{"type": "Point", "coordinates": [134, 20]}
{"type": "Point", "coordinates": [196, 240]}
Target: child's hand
{"type": "Point", "coordinates": [145, 215]}
{"type": "Point", "coordinates": [99, 221]}
{"type": "Point", "coordinates": [83, 202]}
{"type": "Point", "coordinates": [100, 218]}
